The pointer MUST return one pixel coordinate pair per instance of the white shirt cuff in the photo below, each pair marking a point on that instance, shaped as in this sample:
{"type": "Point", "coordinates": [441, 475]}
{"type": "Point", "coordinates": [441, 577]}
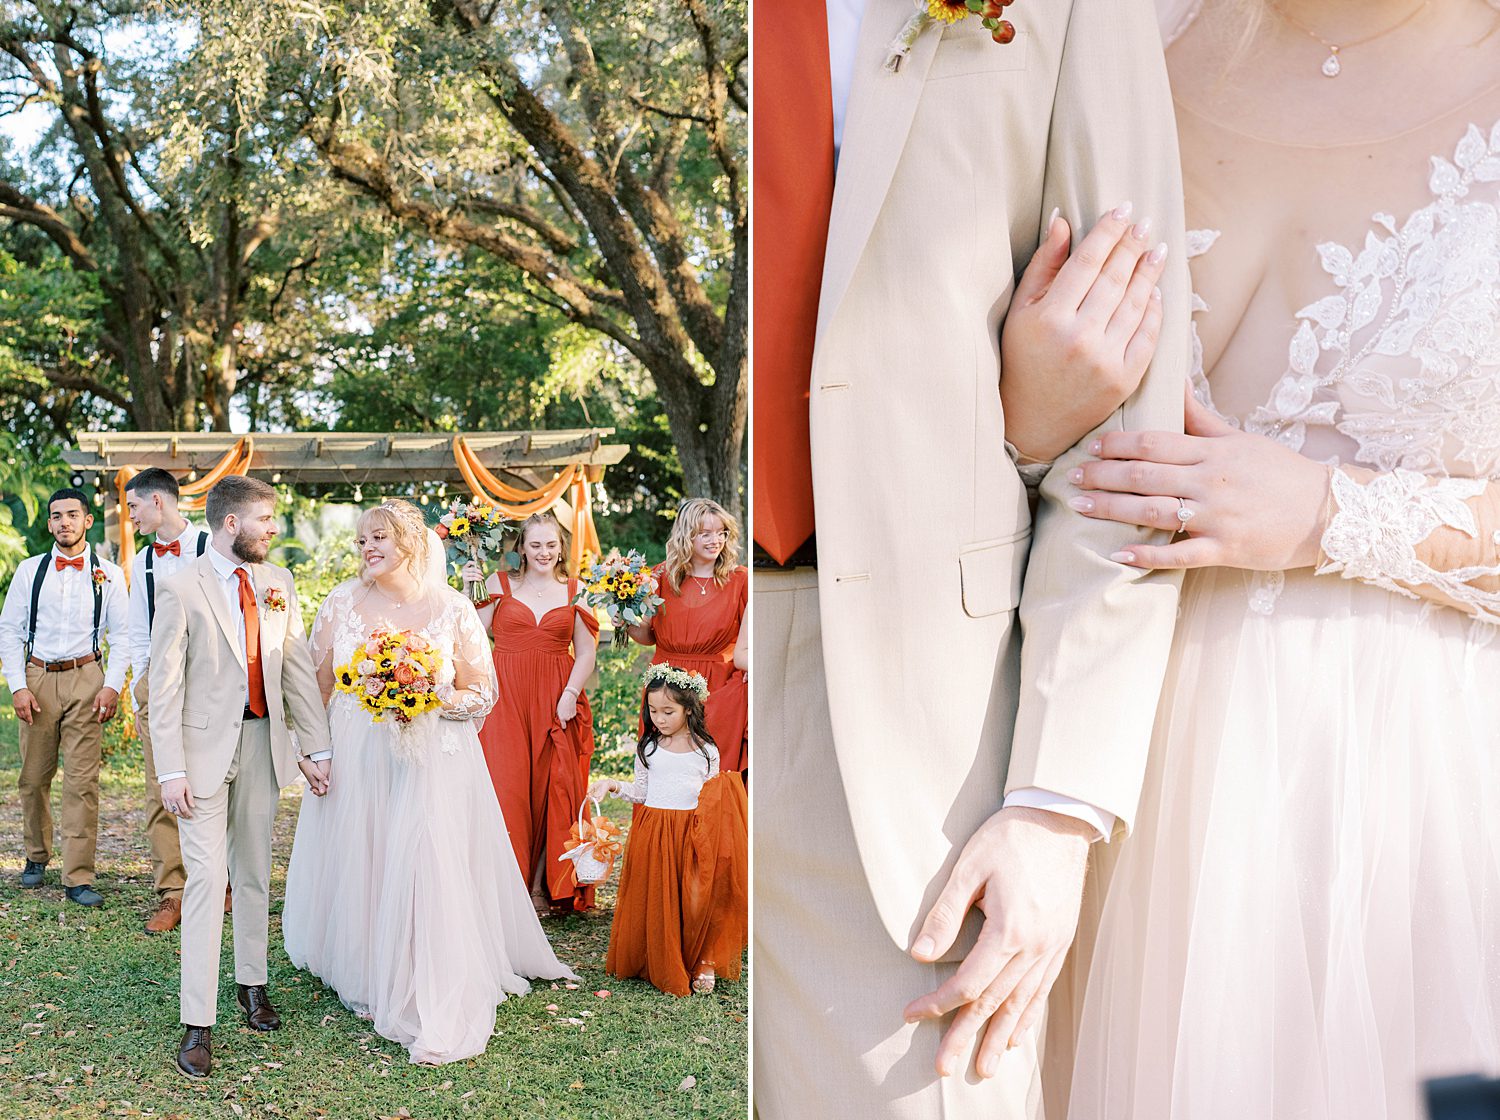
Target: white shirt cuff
{"type": "Point", "coordinates": [168, 777]}
{"type": "Point", "coordinates": [1031, 797]}
{"type": "Point", "coordinates": [319, 756]}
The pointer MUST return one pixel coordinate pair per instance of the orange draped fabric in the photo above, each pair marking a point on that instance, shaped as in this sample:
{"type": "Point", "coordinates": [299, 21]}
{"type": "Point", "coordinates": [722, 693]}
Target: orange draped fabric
{"type": "Point", "coordinates": [539, 768]}
{"type": "Point", "coordinates": [520, 504]}
{"type": "Point", "coordinates": [684, 890]}
{"type": "Point", "coordinates": [696, 629]}
{"type": "Point", "coordinates": [194, 495]}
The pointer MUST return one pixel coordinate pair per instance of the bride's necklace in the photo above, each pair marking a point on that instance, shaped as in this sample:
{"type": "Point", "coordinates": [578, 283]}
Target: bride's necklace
{"type": "Point", "coordinates": [1332, 67]}
{"type": "Point", "coordinates": [389, 598]}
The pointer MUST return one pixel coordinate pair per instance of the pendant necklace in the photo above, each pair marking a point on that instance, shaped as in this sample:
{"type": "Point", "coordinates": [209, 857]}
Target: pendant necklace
{"type": "Point", "coordinates": [1332, 67]}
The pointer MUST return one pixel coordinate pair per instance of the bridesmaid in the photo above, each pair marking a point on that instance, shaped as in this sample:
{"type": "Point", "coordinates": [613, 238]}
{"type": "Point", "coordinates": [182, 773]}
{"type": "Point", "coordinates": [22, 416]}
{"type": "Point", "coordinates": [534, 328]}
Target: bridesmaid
{"type": "Point", "coordinates": [702, 626]}
{"type": "Point", "coordinates": [540, 736]}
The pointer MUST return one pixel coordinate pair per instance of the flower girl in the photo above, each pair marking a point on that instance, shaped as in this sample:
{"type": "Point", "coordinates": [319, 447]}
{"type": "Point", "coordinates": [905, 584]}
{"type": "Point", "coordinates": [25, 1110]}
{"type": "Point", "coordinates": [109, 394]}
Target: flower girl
{"type": "Point", "coordinates": [682, 915]}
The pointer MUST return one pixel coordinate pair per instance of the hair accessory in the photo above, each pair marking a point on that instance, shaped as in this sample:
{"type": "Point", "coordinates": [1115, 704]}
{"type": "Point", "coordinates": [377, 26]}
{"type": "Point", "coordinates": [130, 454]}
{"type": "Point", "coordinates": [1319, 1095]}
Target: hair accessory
{"type": "Point", "coordinates": [678, 678]}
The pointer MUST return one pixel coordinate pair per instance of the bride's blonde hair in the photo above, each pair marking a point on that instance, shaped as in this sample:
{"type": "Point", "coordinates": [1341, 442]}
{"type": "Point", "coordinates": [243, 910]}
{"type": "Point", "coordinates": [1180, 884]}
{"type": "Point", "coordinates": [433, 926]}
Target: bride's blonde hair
{"type": "Point", "coordinates": [407, 528]}
{"type": "Point", "coordinates": [690, 517]}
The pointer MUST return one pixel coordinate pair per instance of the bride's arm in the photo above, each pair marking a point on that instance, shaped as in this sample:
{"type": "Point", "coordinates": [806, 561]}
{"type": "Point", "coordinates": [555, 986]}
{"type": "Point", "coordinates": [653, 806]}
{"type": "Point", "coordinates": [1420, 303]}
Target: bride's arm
{"type": "Point", "coordinates": [475, 688]}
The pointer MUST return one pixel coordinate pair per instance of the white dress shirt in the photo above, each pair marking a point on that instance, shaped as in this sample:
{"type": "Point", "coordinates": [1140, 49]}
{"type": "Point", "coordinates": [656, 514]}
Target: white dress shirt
{"type": "Point", "coordinates": [844, 17]}
{"type": "Point", "coordinates": [225, 568]}
{"type": "Point", "coordinates": [161, 568]}
{"type": "Point", "coordinates": [65, 618]}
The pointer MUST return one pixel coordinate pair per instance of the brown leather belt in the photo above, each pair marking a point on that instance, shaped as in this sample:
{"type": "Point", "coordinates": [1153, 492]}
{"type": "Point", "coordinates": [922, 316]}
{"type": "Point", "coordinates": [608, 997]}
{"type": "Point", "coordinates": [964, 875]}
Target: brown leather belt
{"type": "Point", "coordinates": [63, 666]}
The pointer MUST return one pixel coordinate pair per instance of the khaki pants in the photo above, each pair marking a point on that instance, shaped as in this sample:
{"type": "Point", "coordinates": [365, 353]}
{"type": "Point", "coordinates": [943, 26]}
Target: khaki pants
{"type": "Point", "coordinates": [829, 982]}
{"type": "Point", "coordinates": [228, 839]}
{"type": "Point", "coordinates": [65, 726]}
{"type": "Point", "coordinates": [161, 826]}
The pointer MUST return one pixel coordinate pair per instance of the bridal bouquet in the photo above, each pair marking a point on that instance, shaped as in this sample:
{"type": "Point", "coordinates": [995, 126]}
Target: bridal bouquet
{"type": "Point", "coordinates": [473, 531]}
{"type": "Point", "coordinates": [624, 586]}
{"type": "Point", "coordinates": [394, 673]}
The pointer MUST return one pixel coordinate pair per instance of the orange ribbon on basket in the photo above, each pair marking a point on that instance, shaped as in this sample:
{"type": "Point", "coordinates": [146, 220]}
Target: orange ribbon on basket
{"type": "Point", "coordinates": [605, 835]}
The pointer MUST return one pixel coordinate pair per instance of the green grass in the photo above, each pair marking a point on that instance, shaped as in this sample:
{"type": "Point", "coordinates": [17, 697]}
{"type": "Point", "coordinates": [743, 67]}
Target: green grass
{"type": "Point", "coordinates": [88, 1014]}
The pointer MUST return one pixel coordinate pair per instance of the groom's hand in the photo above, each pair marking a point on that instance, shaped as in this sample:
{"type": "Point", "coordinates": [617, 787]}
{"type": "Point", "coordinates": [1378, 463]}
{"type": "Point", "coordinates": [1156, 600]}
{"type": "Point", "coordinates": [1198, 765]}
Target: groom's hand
{"type": "Point", "coordinates": [316, 774]}
{"type": "Point", "coordinates": [1024, 870]}
{"type": "Point", "coordinates": [177, 799]}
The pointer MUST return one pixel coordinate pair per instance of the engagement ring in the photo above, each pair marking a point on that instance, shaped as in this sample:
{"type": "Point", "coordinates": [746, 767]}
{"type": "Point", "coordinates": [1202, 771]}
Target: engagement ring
{"type": "Point", "coordinates": [1184, 514]}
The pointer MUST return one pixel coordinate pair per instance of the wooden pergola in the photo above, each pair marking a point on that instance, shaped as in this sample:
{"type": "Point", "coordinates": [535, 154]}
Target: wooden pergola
{"type": "Point", "coordinates": [528, 470]}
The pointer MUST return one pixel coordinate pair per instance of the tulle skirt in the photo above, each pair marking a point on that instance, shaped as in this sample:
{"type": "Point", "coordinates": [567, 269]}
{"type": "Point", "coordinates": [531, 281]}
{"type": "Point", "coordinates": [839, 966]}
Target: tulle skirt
{"type": "Point", "coordinates": [1305, 921]}
{"type": "Point", "coordinates": [683, 904]}
{"type": "Point", "coordinates": [402, 893]}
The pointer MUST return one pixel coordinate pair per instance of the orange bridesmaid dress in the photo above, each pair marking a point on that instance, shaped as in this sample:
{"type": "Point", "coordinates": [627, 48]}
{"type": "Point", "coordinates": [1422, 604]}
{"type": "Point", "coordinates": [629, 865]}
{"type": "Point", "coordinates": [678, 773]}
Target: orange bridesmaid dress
{"type": "Point", "coordinates": [539, 768]}
{"type": "Point", "coordinates": [696, 629]}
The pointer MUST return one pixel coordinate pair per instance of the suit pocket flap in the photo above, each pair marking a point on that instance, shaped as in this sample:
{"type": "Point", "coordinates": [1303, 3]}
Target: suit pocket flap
{"type": "Point", "coordinates": [195, 719]}
{"type": "Point", "coordinates": [991, 575]}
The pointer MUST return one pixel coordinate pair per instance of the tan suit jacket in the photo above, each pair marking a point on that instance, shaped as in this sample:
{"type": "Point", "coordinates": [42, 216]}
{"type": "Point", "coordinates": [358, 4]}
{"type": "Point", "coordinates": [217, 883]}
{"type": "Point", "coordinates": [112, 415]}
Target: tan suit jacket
{"type": "Point", "coordinates": [198, 683]}
{"type": "Point", "coordinates": [947, 171]}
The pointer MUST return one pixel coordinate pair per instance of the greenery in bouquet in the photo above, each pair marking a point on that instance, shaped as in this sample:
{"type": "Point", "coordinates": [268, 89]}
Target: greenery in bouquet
{"type": "Point", "coordinates": [624, 587]}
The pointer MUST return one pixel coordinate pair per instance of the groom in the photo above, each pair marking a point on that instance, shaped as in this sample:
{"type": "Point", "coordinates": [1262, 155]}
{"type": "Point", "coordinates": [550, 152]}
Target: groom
{"type": "Point", "coordinates": [230, 671]}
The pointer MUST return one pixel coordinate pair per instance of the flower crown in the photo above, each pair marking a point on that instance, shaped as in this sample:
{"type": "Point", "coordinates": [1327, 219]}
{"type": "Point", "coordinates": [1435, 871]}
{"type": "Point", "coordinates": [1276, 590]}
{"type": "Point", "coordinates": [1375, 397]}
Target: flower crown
{"type": "Point", "coordinates": [678, 678]}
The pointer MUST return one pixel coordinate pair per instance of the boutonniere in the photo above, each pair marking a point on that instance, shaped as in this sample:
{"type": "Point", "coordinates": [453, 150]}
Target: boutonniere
{"type": "Point", "coordinates": [930, 12]}
{"type": "Point", "coordinates": [275, 600]}
{"type": "Point", "coordinates": [101, 577]}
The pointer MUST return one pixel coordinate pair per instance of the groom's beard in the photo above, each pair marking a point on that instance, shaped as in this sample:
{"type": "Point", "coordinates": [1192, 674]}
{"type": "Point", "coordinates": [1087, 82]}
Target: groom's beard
{"type": "Point", "coordinates": [250, 549]}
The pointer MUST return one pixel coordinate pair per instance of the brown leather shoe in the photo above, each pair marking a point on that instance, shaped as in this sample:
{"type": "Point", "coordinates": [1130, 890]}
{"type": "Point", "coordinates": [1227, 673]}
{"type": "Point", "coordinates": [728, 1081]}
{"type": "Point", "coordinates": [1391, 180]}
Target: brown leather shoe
{"type": "Point", "coordinates": [195, 1057]}
{"type": "Point", "coordinates": [257, 1005]}
{"type": "Point", "coordinates": [167, 916]}
{"type": "Point", "coordinates": [228, 900]}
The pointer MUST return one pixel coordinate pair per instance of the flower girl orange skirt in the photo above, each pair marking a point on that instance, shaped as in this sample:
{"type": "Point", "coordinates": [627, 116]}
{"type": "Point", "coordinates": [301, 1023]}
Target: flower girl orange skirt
{"type": "Point", "coordinates": [684, 890]}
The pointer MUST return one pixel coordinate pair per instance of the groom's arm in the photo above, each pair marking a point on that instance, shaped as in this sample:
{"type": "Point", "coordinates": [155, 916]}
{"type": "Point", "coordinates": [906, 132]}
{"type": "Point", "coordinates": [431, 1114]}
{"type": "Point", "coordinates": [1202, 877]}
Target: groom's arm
{"type": "Point", "coordinates": [1096, 633]}
{"type": "Point", "coordinates": [299, 686]}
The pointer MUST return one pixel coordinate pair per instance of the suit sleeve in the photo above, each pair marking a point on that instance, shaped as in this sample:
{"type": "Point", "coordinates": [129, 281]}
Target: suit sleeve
{"type": "Point", "coordinates": [165, 673]}
{"type": "Point", "coordinates": [1096, 633]}
{"type": "Point", "coordinates": [299, 684]}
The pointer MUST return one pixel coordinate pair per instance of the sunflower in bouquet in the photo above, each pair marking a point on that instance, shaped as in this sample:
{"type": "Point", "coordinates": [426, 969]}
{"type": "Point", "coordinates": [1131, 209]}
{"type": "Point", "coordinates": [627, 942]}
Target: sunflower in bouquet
{"type": "Point", "coordinates": [393, 674]}
{"type": "Point", "coordinates": [472, 531]}
{"type": "Point", "coordinates": [624, 587]}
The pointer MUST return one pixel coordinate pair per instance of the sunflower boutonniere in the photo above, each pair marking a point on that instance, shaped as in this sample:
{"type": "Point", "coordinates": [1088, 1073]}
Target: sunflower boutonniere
{"type": "Point", "coordinates": [929, 12]}
{"type": "Point", "coordinates": [101, 577]}
{"type": "Point", "coordinates": [275, 600]}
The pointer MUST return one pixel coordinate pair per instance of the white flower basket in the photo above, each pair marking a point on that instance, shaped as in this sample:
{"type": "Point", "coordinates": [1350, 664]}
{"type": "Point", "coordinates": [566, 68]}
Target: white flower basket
{"type": "Point", "coordinates": [586, 867]}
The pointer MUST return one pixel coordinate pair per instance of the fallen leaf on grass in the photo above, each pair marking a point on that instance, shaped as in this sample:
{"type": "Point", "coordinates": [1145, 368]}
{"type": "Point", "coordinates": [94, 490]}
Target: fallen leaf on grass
{"type": "Point", "coordinates": [576, 1085]}
{"type": "Point", "coordinates": [703, 1041]}
{"type": "Point", "coordinates": [236, 1108]}
{"type": "Point", "coordinates": [602, 995]}
{"type": "Point", "coordinates": [687, 1083]}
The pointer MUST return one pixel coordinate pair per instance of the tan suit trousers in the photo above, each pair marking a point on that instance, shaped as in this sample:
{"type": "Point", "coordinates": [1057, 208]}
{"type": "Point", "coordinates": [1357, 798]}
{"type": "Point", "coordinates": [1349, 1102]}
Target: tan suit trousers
{"type": "Point", "coordinates": [66, 727]}
{"type": "Point", "coordinates": [167, 871]}
{"type": "Point", "coordinates": [228, 838]}
{"type": "Point", "coordinates": [829, 983]}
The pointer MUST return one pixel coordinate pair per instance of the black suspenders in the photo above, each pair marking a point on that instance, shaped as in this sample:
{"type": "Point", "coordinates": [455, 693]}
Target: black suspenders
{"type": "Point", "coordinates": [151, 579]}
{"type": "Point", "coordinates": [36, 600]}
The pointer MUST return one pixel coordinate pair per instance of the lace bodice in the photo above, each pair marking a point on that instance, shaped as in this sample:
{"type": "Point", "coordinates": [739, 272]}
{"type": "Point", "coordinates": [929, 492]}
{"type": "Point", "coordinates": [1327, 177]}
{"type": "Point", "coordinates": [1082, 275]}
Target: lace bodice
{"type": "Point", "coordinates": [1391, 373]}
{"type": "Point", "coordinates": [466, 679]}
{"type": "Point", "coordinates": [673, 780]}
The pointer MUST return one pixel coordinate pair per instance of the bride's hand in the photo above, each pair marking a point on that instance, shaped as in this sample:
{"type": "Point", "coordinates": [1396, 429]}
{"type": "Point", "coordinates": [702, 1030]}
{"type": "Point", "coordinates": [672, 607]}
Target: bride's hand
{"type": "Point", "coordinates": [1251, 502]}
{"type": "Point", "coordinates": [1080, 332]}
{"type": "Point", "coordinates": [316, 774]}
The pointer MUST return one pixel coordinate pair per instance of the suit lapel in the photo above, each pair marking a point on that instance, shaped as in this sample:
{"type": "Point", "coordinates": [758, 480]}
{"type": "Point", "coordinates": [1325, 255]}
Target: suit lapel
{"type": "Point", "coordinates": [215, 596]}
{"type": "Point", "coordinates": [878, 119]}
{"type": "Point", "coordinates": [272, 623]}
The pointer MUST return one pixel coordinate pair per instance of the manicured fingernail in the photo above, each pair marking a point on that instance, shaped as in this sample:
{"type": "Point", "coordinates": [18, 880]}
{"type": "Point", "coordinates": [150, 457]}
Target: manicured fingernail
{"type": "Point", "coordinates": [1122, 211]}
{"type": "Point", "coordinates": [924, 946]}
{"type": "Point", "coordinates": [985, 1068]}
{"type": "Point", "coordinates": [1096, 447]}
{"type": "Point", "coordinates": [1075, 475]}
{"type": "Point", "coordinates": [1141, 230]}
{"type": "Point", "coordinates": [1122, 557]}
{"type": "Point", "coordinates": [1157, 255]}
{"type": "Point", "coordinates": [1052, 219]}
{"type": "Point", "coordinates": [1156, 294]}
{"type": "Point", "coordinates": [1082, 505]}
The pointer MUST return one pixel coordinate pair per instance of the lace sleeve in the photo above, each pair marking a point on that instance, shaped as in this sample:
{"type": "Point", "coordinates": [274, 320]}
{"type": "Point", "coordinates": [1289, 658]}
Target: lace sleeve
{"type": "Point", "coordinates": [636, 790]}
{"type": "Point", "coordinates": [320, 641]}
{"type": "Point", "coordinates": [1419, 536]}
{"type": "Point", "coordinates": [475, 688]}
{"type": "Point", "coordinates": [713, 761]}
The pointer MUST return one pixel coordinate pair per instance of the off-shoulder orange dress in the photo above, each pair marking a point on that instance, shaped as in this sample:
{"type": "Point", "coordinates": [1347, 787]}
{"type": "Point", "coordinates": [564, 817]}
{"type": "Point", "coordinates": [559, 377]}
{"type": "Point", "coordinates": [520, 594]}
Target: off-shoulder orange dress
{"type": "Point", "coordinates": [539, 768]}
{"type": "Point", "coordinates": [696, 629]}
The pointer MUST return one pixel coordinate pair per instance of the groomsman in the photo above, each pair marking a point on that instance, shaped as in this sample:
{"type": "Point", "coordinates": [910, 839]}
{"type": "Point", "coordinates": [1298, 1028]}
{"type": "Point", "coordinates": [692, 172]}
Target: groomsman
{"type": "Point", "coordinates": [60, 611]}
{"type": "Point", "coordinates": [152, 497]}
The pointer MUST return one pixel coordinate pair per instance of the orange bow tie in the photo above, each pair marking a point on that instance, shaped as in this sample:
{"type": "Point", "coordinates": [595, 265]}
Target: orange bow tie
{"type": "Point", "coordinates": [76, 563]}
{"type": "Point", "coordinates": [175, 548]}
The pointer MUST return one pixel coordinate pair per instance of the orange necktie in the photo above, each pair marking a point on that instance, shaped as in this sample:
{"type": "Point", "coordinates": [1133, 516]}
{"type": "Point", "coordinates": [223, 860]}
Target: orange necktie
{"type": "Point", "coordinates": [793, 184]}
{"type": "Point", "coordinates": [74, 562]}
{"type": "Point", "coordinates": [175, 548]}
{"type": "Point", "coordinates": [257, 700]}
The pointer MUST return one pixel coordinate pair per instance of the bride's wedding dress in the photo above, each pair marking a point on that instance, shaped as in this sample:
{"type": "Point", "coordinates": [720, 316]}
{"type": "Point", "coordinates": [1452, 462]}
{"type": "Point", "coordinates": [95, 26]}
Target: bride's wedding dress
{"type": "Point", "coordinates": [402, 893]}
{"type": "Point", "coordinates": [1305, 921]}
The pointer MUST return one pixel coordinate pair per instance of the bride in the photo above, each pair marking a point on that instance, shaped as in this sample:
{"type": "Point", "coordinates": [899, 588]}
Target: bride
{"type": "Point", "coordinates": [1305, 920]}
{"type": "Point", "coordinates": [395, 894]}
